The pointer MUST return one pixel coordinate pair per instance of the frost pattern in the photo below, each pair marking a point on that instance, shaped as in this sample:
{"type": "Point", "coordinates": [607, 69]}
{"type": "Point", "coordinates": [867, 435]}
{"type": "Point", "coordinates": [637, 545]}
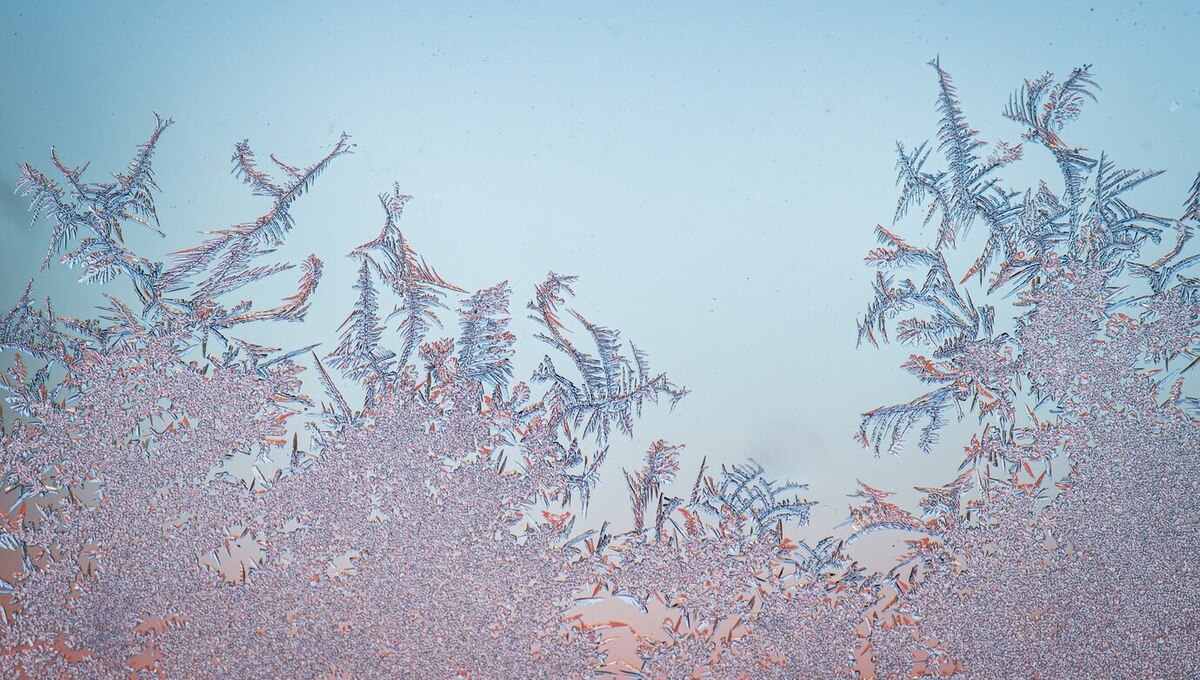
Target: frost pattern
{"type": "Point", "coordinates": [150, 529]}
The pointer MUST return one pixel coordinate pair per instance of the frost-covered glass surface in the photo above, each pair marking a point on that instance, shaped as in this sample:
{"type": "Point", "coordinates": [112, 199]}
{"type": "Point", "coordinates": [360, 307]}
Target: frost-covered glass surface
{"type": "Point", "coordinates": [206, 477]}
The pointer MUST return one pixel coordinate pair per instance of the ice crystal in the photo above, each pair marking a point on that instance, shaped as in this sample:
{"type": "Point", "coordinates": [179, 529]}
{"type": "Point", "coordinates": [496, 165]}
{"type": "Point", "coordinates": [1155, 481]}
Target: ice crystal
{"type": "Point", "coordinates": [173, 504]}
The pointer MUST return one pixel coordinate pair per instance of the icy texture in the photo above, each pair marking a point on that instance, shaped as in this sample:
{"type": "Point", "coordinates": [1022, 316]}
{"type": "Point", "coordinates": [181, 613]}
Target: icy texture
{"type": "Point", "coordinates": [430, 531]}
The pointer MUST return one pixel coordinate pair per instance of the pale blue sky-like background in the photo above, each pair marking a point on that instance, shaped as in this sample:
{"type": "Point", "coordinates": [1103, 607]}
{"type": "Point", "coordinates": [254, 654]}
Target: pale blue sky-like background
{"type": "Point", "coordinates": [711, 172]}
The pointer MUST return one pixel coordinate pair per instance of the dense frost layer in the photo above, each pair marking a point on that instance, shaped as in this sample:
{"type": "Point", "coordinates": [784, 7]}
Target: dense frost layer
{"type": "Point", "coordinates": [174, 505]}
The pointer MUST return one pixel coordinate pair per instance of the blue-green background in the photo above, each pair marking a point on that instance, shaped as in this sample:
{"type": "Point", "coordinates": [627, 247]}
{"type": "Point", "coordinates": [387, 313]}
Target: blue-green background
{"type": "Point", "coordinates": [711, 171]}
